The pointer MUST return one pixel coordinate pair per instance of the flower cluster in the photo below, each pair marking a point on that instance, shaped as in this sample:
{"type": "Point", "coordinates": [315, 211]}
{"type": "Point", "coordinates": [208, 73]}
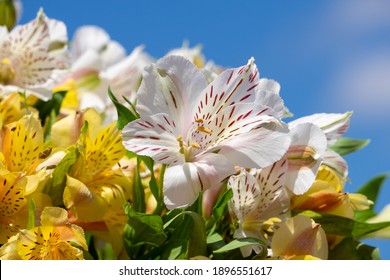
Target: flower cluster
{"type": "Point", "coordinates": [105, 155]}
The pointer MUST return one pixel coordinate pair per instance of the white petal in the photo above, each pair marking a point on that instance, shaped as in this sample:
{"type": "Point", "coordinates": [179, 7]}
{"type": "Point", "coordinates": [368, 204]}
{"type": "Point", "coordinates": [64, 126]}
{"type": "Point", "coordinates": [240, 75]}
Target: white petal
{"type": "Point", "coordinates": [113, 53]}
{"type": "Point", "coordinates": [88, 37]}
{"type": "Point", "coordinates": [89, 60]}
{"type": "Point", "coordinates": [171, 86]}
{"type": "Point", "coordinates": [156, 137]}
{"type": "Point", "coordinates": [335, 161]}
{"type": "Point", "coordinates": [257, 148]}
{"type": "Point", "coordinates": [333, 125]}
{"type": "Point", "coordinates": [231, 87]}
{"type": "Point", "coordinates": [308, 144]}
{"type": "Point", "coordinates": [57, 31]}
{"type": "Point", "coordinates": [245, 195]}
{"type": "Point", "coordinates": [126, 75]}
{"type": "Point", "coordinates": [183, 183]}
{"type": "Point", "coordinates": [267, 93]}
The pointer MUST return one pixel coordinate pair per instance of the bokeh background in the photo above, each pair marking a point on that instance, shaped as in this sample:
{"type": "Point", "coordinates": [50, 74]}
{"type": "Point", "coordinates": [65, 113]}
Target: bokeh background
{"type": "Point", "coordinates": [329, 56]}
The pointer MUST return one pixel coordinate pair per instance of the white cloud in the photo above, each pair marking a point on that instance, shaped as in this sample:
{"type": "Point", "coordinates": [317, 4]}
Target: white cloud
{"type": "Point", "coordinates": [363, 85]}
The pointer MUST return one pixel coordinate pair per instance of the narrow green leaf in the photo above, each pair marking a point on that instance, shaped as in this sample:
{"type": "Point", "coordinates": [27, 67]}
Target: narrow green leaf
{"type": "Point", "coordinates": [343, 226]}
{"type": "Point", "coordinates": [350, 249]}
{"type": "Point", "coordinates": [55, 186]}
{"type": "Point", "coordinates": [346, 145]}
{"type": "Point", "coordinates": [152, 183]}
{"type": "Point", "coordinates": [138, 190]}
{"type": "Point", "coordinates": [241, 242]}
{"type": "Point", "coordinates": [220, 205]}
{"type": "Point", "coordinates": [124, 114]}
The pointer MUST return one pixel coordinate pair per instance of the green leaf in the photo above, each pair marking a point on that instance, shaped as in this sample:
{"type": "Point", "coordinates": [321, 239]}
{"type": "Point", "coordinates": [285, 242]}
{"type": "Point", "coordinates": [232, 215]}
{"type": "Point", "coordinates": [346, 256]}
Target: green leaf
{"type": "Point", "coordinates": [125, 115]}
{"type": "Point", "coordinates": [8, 15]}
{"type": "Point", "coordinates": [138, 190]}
{"type": "Point", "coordinates": [220, 205]}
{"type": "Point", "coordinates": [46, 108]}
{"type": "Point", "coordinates": [55, 186]}
{"type": "Point", "coordinates": [241, 242]}
{"type": "Point", "coordinates": [343, 226]}
{"type": "Point", "coordinates": [152, 183]}
{"type": "Point", "coordinates": [187, 234]}
{"type": "Point", "coordinates": [346, 145]}
{"type": "Point", "coordinates": [197, 244]}
{"type": "Point", "coordinates": [215, 242]}
{"type": "Point", "coordinates": [142, 229]}
{"type": "Point", "coordinates": [371, 190]}
{"type": "Point", "coordinates": [350, 249]}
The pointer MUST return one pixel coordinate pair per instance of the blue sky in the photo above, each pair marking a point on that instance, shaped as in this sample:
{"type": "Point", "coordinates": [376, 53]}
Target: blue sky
{"type": "Point", "coordinates": [329, 56]}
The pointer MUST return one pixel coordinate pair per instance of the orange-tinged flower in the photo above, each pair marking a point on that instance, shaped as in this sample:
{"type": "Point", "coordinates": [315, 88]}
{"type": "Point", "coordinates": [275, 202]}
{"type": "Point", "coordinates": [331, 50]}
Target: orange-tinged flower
{"type": "Point", "coordinates": [50, 241]}
{"type": "Point", "coordinates": [299, 238]}
{"type": "Point", "coordinates": [326, 195]}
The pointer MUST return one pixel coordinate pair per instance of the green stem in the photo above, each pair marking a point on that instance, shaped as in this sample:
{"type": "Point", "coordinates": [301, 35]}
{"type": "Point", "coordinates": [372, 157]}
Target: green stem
{"type": "Point", "coordinates": [160, 200]}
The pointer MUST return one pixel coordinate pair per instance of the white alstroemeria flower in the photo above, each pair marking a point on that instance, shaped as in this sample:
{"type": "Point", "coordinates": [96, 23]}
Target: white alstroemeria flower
{"type": "Point", "coordinates": [333, 126]}
{"type": "Point", "coordinates": [259, 200]}
{"type": "Point", "coordinates": [304, 156]}
{"type": "Point", "coordinates": [26, 61]}
{"type": "Point", "coordinates": [91, 37]}
{"type": "Point", "coordinates": [202, 130]}
{"type": "Point", "coordinates": [99, 63]}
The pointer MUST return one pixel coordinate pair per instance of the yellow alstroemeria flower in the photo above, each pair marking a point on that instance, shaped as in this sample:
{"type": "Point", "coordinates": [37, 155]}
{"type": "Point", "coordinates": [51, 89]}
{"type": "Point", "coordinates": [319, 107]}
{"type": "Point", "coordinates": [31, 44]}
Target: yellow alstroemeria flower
{"type": "Point", "coordinates": [95, 191]}
{"type": "Point", "coordinates": [50, 241]}
{"type": "Point", "coordinates": [66, 131]}
{"type": "Point", "coordinates": [13, 108]}
{"type": "Point", "coordinates": [12, 201]}
{"type": "Point", "coordinates": [299, 238]}
{"type": "Point", "coordinates": [326, 195]}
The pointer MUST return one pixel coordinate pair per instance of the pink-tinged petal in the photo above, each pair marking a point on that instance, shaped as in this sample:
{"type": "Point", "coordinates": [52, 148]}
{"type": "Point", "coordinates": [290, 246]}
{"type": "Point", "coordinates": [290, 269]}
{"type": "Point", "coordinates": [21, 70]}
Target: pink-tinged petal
{"type": "Point", "coordinates": [336, 162]}
{"type": "Point", "coordinates": [304, 157]}
{"type": "Point", "coordinates": [171, 86]}
{"type": "Point", "coordinates": [183, 183]}
{"type": "Point", "coordinates": [232, 86]}
{"type": "Point", "coordinates": [257, 148]}
{"type": "Point", "coordinates": [333, 125]}
{"type": "Point", "coordinates": [300, 236]}
{"type": "Point", "coordinates": [155, 137]}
